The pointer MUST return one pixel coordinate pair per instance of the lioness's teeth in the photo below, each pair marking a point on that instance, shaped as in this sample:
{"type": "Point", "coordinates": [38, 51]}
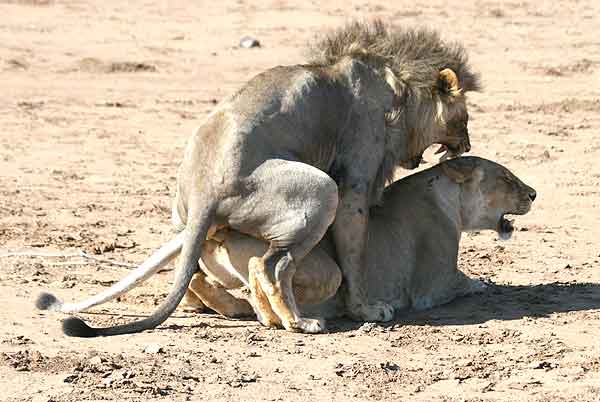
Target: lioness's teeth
{"type": "Point", "coordinates": [506, 225]}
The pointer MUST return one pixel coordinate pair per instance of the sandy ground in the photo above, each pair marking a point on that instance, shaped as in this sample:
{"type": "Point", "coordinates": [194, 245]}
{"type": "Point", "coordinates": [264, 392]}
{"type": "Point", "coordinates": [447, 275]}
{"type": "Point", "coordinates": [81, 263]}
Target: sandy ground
{"type": "Point", "coordinates": [98, 99]}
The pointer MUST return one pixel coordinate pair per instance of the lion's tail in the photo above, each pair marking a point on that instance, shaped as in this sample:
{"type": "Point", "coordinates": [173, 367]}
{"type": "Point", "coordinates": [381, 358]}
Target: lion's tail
{"type": "Point", "coordinates": [200, 218]}
{"type": "Point", "coordinates": [159, 259]}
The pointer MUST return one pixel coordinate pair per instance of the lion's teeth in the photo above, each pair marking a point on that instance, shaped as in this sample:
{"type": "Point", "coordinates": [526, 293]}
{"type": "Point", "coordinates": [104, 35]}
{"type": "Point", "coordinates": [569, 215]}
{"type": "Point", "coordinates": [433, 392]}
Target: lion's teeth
{"type": "Point", "coordinates": [448, 155]}
{"type": "Point", "coordinates": [441, 149]}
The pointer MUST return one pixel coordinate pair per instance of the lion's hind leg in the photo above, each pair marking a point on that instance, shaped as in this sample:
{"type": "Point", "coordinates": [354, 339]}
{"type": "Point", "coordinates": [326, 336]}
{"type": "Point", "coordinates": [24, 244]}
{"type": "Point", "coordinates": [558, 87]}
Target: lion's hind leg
{"type": "Point", "coordinates": [292, 205]}
{"type": "Point", "coordinates": [262, 306]}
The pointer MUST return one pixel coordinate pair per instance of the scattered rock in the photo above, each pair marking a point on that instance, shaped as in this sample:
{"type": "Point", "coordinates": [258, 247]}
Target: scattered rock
{"type": "Point", "coordinates": [542, 365]}
{"type": "Point", "coordinates": [71, 378]}
{"type": "Point", "coordinates": [154, 349]}
{"type": "Point", "coordinates": [18, 340]}
{"type": "Point", "coordinates": [489, 387]}
{"type": "Point", "coordinates": [30, 105]}
{"type": "Point", "coordinates": [95, 360]}
{"type": "Point", "coordinates": [130, 67]}
{"type": "Point", "coordinates": [17, 64]}
{"type": "Point", "coordinates": [389, 366]}
{"type": "Point", "coordinates": [341, 369]}
{"type": "Point", "coordinates": [245, 378]}
{"type": "Point", "coordinates": [367, 327]}
{"type": "Point", "coordinates": [497, 13]}
{"type": "Point", "coordinates": [248, 42]}
{"type": "Point", "coordinates": [116, 104]}
{"type": "Point", "coordinates": [94, 65]}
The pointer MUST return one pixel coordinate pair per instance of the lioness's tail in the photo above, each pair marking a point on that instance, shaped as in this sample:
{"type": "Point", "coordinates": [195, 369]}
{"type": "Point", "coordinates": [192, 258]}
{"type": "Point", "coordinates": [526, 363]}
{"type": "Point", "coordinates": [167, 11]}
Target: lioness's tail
{"type": "Point", "coordinates": [159, 259]}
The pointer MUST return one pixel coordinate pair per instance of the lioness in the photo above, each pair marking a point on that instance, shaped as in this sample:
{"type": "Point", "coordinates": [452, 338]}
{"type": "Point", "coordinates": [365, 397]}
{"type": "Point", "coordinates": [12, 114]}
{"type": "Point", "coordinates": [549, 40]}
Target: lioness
{"type": "Point", "coordinates": [300, 146]}
{"type": "Point", "coordinates": [412, 250]}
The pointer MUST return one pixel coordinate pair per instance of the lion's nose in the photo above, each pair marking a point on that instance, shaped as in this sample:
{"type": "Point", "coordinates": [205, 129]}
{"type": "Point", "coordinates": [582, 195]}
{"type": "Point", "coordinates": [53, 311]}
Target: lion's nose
{"type": "Point", "coordinates": [532, 195]}
{"type": "Point", "coordinates": [466, 144]}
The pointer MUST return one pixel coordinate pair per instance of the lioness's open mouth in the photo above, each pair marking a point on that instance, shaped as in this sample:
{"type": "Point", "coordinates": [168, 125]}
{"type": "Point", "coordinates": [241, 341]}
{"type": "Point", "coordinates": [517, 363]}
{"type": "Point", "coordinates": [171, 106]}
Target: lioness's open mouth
{"type": "Point", "coordinates": [505, 227]}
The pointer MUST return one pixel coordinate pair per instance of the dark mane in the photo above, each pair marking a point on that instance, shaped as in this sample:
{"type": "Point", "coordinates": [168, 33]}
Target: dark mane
{"type": "Point", "coordinates": [414, 55]}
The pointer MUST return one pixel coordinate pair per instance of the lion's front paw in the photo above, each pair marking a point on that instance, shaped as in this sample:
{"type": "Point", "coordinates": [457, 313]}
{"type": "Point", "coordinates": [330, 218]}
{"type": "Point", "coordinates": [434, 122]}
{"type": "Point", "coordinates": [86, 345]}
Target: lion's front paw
{"type": "Point", "coordinates": [379, 311]}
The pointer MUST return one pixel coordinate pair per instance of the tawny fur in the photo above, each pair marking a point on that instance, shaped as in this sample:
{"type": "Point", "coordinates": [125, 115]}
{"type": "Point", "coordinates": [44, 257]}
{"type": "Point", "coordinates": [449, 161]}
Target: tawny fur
{"type": "Point", "coordinates": [413, 239]}
{"type": "Point", "coordinates": [301, 147]}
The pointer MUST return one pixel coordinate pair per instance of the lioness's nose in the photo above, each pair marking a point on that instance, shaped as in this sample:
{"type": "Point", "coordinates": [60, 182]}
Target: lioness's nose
{"type": "Point", "coordinates": [532, 195]}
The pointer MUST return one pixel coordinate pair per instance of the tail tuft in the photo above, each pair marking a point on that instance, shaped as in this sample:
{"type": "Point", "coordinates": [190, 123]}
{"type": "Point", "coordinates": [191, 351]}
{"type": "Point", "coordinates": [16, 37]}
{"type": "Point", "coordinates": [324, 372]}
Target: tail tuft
{"type": "Point", "coordinates": [47, 301]}
{"type": "Point", "coordinates": [76, 327]}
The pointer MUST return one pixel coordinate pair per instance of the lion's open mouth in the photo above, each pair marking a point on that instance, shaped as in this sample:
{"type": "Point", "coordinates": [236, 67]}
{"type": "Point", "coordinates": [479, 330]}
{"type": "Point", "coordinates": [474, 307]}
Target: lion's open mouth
{"type": "Point", "coordinates": [449, 152]}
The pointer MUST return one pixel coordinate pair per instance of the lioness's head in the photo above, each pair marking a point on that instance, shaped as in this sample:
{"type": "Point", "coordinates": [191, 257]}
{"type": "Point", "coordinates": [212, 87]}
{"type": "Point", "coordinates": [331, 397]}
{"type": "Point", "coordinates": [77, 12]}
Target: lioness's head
{"type": "Point", "coordinates": [489, 192]}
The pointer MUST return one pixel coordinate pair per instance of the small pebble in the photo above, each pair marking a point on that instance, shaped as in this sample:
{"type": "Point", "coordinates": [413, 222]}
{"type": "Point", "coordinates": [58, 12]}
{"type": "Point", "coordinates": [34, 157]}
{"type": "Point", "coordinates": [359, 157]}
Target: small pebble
{"type": "Point", "coordinates": [248, 42]}
{"type": "Point", "coordinates": [95, 360]}
{"type": "Point", "coordinates": [153, 349]}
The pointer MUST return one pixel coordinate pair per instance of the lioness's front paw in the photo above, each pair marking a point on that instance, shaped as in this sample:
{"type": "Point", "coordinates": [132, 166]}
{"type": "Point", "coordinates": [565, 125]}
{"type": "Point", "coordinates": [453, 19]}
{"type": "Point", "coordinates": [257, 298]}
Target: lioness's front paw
{"type": "Point", "coordinates": [378, 311]}
{"type": "Point", "coordinates": [306, 325]}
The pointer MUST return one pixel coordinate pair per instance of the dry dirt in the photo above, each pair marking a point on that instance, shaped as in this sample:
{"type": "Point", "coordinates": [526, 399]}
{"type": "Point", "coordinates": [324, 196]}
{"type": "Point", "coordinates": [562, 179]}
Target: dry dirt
{"type": "Point", "coordinates": [99, 98]}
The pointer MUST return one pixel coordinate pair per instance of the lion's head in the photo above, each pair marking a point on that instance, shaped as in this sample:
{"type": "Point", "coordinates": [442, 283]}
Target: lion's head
{"type": "Point", "coordinates": [489, 192]}
{"type": "Point", "coordinates": [429, 79]}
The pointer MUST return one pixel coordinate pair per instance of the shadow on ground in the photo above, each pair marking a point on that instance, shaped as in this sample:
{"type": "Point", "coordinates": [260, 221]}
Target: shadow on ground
{"type": "Point", "coordinates": [500, 302]}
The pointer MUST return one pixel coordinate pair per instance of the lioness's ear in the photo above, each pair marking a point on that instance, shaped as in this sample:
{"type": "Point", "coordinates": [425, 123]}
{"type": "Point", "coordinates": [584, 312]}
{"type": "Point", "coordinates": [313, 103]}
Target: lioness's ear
{"type": "Point", "coordinates": [461, 170]}
{"type": "Point", "coordinates": [455, 172]}
{"type": "Point", "coordinates": [447, 82]}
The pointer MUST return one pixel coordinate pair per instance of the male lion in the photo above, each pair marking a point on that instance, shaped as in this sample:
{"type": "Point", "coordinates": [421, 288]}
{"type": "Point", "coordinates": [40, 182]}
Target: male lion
{"type": "Point", "coordinates": [301, 146]}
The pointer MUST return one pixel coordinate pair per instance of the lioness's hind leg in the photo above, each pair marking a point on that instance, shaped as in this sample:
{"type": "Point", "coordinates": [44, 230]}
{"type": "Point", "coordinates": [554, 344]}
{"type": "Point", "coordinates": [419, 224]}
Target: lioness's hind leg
{"type": "Point", "coordinates": [191, 302]}
{"type": "Point", "coordinates": [217, 298]}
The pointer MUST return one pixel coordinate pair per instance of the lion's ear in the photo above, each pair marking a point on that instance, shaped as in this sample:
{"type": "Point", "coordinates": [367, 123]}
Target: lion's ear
{"type": "Point", "coordinates": [447, 82]}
